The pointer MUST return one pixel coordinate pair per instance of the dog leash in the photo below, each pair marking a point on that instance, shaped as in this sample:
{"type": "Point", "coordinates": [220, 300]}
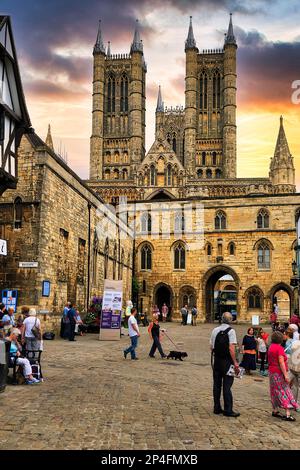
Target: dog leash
{"type": "Point", "coordinates": [171, 341]}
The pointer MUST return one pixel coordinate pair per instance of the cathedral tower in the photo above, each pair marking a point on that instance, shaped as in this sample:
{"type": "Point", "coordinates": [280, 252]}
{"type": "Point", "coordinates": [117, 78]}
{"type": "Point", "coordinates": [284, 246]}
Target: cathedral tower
{"type": "Point", "coordinates": [118, 132]}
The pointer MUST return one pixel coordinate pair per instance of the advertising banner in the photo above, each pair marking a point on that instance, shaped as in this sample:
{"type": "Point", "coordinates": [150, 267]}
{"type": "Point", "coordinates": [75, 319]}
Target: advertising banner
{"type": "Point", "coordinates": [110, 323]}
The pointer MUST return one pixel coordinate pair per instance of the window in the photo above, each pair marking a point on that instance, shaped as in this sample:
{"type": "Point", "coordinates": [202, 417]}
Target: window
{"type": "Point", "coordinates": [169, 176]}
{"type": "Point", "coordinates": [203, 91]}
{"type": "Point", "coordinates": [125, 174]}
{"type": "Point", "coordinates": [174, 143]}
{"type": "Point", "coordinates": [209, 249]}
{"type": "Point", "coordinates": [144, 287]}
{"type": "Point", "coordinates": [124, 94]}
{"type": "Point", "coordinates": [199, 173]}
{"type": "Point", "coordinates": [81, 260]}
{"type": "Point", "coordinates": [208, 174]}
{"type": "Point", "coordinates": [254, 298]}
{"type": "Point", "coordinates": [179, 256]}
{"type": "Point", "coordinates": [216, 90]}
{"type": "Point", "coordinates": [18, 213]}
{"type": "Point", "coordinates": [146, 257]}
{"type": "Point", "coordinates": [203, 158]}
{"type": "Point", "coordinates": [152, 176]}
{"type": "Point", "coordinates": [111, 94]}
{"type": "Point", "coordinates": [231, 248]}
{"type": "Point", "coordinates": [179, 222]}
{"type": "Point", "coordinates": [146, 224]}
{"type": "Point", "coordinates": [220, 221]}
{"type": "Point", "coordinates": [214, 158]}
{"type": "Point", "coordinates": [263, 256]}
{"type": "Point", "coordinates": [218, 174]}
{"type": "Point", "coordinates": [263, 219]}
{"type": "Point", "coordinates": [106, 257]}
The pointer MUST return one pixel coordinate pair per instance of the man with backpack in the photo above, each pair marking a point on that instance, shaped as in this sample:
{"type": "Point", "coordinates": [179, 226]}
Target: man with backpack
{"type": "Point", "coordinates": [222, 342]}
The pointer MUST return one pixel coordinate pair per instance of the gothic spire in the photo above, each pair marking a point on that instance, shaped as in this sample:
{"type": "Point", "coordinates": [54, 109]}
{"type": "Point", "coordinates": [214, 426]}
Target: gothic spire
{"type": "Point", "coordinates": [99, 46]}
{"type": "Point", "coordinates": [282, 151]}
{"type": "Point", "coordinates": [108, 53]}
{"type": "Point", "coordinates": [160, 104]}
{"type": "Point", "coordinates": [230, 38]}
{"type": "Point", "coordinates": [190, 42]}
{"type": "Point", "coordinates": [49, 141]}
{"type": "Point", "coordinates": [137, 43]}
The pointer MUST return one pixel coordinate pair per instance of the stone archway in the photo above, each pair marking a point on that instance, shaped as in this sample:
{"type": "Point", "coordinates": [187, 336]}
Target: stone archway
{"type": "Point", "coordinates": [208, 283]}
{"type": "Point", "coordinates": [163, 294]}
{"type": "Point", "coordinates": [272, 294]}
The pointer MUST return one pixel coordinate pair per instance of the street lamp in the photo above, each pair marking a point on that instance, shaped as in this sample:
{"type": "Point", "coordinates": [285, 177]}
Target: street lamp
{"type": "Point", "coordinates": [294, 268]}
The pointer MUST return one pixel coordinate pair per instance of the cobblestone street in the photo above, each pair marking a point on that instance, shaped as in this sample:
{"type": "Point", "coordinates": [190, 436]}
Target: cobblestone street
{"type": "Point", "coordinates": [94, 399]}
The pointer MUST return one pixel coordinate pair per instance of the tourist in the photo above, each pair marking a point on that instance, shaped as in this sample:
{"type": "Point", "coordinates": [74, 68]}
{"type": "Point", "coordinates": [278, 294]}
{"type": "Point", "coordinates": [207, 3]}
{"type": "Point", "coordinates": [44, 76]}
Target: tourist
{"type": "Point", "coordinates": [154, 332]}
{"type": "Point", "coordinates": [295, 318]}
{"type": "Point", "coordinates": [223, 343]}
{"type": "Point", "coordinates": [288, 337]}
{"type": "Point", "coordinates": [8, 320]}
{"type": "Point", "coordinates": [262, 350]}
{"type": "Point", "coordinates": [164, 311]}
{"type": "Point", "coordinates": [294, 328]}
{"type": "Point", "coordinates": [249, 352]}
{"type": "Point", "coordinates": [32, 343]}
{"type": "Point", "coordinates": [194, 315]}
{"type": "Point", "coordinates": [184, 314]}
{"type": "Point", "coordinates": [155, 311]}
{"type": "Point", "coordinates": [15, 351]}
{"type": "Point", "coordinates": [281, 394]}
{"type": "Point", "coordinates": [273, 320]}
{"type": "Point", "coordinates": [64, 321]}
{"type": "Point", "coordinates": [80, 327]}
{"type": "Point", "coordinates": [294, 369]}
{"type": "Point", "coordinates": [71, 315]}
{"type": "Point", "coordinates": [134, 334]}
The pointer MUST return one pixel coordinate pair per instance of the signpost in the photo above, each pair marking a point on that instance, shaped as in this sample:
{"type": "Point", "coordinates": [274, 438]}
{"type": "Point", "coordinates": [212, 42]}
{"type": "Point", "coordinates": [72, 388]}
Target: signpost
{"type": "Point", "coordinates": [3, 247]}
{"type": "Point", "coordinates": [28, 264]}
{"type": "Point", "coordinates": [110, 324]}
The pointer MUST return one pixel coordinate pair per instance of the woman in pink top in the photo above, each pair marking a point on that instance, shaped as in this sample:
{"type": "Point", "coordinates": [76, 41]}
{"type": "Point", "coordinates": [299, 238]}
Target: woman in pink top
{"type": "Point", "coordinates": [281, 394]}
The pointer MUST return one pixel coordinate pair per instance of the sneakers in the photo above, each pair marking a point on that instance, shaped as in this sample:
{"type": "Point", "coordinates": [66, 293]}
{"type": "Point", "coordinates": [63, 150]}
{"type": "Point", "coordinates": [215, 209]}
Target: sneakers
{"type": "Point", "coordinates": [32, 382]}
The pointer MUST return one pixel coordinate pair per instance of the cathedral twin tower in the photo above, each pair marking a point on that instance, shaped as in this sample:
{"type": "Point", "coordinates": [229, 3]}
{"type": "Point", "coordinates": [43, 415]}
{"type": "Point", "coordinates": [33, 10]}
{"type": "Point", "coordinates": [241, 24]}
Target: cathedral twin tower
{"type": "Point", "coordinates": [202, 135]}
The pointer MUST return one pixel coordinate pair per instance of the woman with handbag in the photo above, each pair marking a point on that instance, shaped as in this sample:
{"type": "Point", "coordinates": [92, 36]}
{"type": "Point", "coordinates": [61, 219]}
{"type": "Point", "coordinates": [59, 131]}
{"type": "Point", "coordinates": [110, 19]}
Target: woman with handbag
{"type": "Point", "coordinates": [32, 333]}
{"type": "Point", "coordinates": [15, 355]}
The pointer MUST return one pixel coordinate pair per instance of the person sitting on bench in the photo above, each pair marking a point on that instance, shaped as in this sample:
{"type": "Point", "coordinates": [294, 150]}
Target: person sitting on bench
{"type": "Point", "coordinates": [15, 355]}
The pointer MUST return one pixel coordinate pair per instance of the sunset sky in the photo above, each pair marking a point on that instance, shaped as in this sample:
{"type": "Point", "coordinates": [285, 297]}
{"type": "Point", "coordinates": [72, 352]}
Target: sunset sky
{"type": "Point", "coordinates": [55, 38]}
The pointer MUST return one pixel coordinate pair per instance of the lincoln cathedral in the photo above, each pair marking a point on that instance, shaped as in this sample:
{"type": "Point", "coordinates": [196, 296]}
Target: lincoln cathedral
{"type": "Point", "coordinates": [248, 228]}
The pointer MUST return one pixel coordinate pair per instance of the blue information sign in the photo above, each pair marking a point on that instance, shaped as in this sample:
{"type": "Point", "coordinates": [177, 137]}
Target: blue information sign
{"type": "Point", "coordinates": [46, 289]}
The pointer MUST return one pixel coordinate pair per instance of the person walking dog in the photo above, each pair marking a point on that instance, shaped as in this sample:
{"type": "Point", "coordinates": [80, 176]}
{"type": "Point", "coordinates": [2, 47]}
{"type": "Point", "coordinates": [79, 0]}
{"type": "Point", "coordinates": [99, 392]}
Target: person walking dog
{"type": "Point", "coordinates": [154, 332]}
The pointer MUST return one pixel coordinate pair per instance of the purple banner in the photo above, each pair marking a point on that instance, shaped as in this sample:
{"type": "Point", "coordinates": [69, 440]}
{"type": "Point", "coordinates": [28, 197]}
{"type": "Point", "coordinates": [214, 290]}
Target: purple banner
{"type": "Point", "coordinates": [110, 320]}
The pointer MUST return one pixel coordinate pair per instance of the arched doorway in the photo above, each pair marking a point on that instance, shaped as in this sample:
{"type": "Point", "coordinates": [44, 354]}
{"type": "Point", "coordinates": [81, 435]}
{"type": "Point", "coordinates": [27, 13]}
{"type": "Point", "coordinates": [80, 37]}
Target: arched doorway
{"type": "Point", "coordinates": [212, 300]}
{"type": "Point", "coordinates": [163, 294]}
{"type": "Point", "coordinates": [187, 296]}
{"type": "Point", "coordinates": [282, 295]}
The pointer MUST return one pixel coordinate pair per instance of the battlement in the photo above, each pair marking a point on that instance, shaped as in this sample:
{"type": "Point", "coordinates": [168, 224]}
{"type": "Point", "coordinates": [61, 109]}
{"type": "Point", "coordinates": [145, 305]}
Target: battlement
{"type": "Point", "coordinates": [212, 51]}
{"type": "Point", "coordinates": [118, 57]}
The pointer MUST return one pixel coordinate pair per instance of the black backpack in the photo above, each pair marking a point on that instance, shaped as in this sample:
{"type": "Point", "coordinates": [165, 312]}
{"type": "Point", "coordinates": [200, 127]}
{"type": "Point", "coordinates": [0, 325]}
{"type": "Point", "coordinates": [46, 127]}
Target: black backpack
{"type": "Point", "coordinates": [221, 348]}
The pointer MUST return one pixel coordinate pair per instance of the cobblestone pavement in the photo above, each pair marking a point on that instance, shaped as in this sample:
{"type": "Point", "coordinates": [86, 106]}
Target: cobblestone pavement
{"type": "Point", "coordinates": [93, 398]}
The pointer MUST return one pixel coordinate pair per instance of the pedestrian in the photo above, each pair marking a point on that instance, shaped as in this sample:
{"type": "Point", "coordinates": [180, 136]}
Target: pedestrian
{"type": "Point", "coordinates": [223, 346]}
{"type": "Point", "coordinates": [154, 332]}
{"type": "Point", "coordinates": [15, 355]}
{"type": "Point", "coordinates": [295, 318]}
{"type": "Point", "coordinates": [294, 369]}
{"type": "Point", "coordinates": [184, 314]}
{"type": "Point", "coordinates": [280, 392]}
{"type": "Point", "coordinates": [64, 321]}
{"type": "Point", "coordinates": [262, 350]}
{"type": "Point", "coordinates": [155, 311]}
{"type": "Point", "coordinates": [249, 352]}
{"type": "Point", "coordinates": [71, 315]}
{"type": "Point", "coordinates": [8, 320]}
{"type": "Point", "coordinates": [194, 315]}
{"type": "Point", "coordinates": [134, 334]}
{"type": "Point", "coordinates": [287, 344]}
{"type": "Point", "coordinates": [294, 328]}
{"type": "Point", "coordinates": [3, 312]}
{"type": "Point", "coordinates": [32, 342]}
{"type": "Point", "coordinates": [273, 320]}
{"type": "Point", "coordinates": [164, 311]}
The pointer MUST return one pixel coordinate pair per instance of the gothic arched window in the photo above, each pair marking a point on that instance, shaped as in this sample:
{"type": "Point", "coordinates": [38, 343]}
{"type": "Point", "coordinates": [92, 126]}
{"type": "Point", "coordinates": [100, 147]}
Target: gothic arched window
{"type": "Point", "coordinates": [174, 143]}
{"type": "Point", "coordinates": [152, 176]}
{"type": "Point", "coordinates": [111, 94]}
{"type": "Point", "coordinates": [263, 219]}
{"type": "Point", "coordinates": [208, 174]}
{"type": "Point", "coordinates": [179, 222]}
{"type": "Point", "coordinates": [231, 248]}
{"type": "Point", "coordinates": [179, 256]}
{"type": "Point", "coordinates": [214, 158]}
{"type": "Point", "coordinates": [18, 213]}
{"type": "Point", "coordinates": [218, 173]}
{"type": "Point", "coordinates": [263, 255]}
{"type": "Point", "coordinates": [203, 91]}
{"type": "Point", "coordinates": [146, 257]}
{"type": "Point", "coordinates": [254, 298]}
{"type": "Point", "coordinates": [199, 173]}
{"type": "Point", "coordinates": [169, 175]}
{"type": "Point", "coordinates": [220, 221]}
{"type": "Point", "coordinates": [124, 94]}
{"type": "Point", "coordinates": [146, 223]}
{"type": "Point", "coordinates": [216, 90]}
{"type": "Point", "coordinates": [203, 158]}
{"type": "Point", "coordinates": [209, 249]}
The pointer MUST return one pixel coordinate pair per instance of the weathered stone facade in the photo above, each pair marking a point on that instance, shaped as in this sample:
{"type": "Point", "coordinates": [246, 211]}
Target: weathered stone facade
{"type": "Point", "coordinates": [58, 227]}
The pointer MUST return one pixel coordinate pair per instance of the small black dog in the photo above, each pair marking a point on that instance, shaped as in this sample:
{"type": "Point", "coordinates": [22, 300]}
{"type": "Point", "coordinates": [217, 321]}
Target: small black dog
{"type": "Point", "coordinates": [176, 355]}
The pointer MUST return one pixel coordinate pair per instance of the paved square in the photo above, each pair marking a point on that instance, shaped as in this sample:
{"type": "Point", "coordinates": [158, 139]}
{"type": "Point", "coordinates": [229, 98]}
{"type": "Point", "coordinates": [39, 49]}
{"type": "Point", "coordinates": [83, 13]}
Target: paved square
{"type": "Point", "coordinates": [94, 399]}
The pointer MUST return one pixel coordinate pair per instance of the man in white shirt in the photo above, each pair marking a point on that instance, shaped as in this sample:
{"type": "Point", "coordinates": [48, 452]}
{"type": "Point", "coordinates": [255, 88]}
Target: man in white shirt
{"type": "Point", "coordinates": [134, 334]}
{"type": "Point", "coordinates": [222, 343]}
